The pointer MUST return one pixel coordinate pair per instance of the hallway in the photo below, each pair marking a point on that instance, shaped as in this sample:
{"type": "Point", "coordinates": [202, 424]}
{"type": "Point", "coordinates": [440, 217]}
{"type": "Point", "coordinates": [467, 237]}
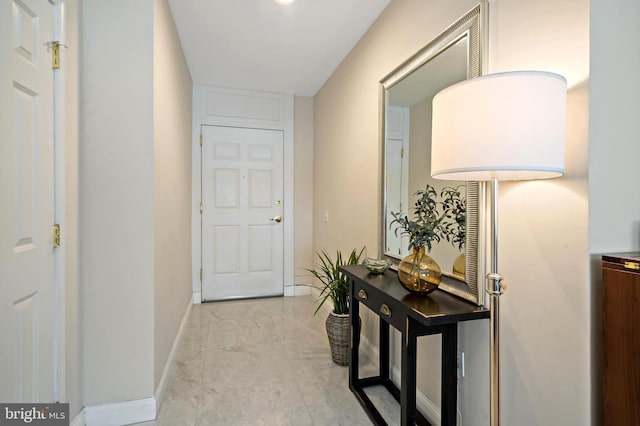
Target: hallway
{"type": "Point", "coordinates": [259, 362]}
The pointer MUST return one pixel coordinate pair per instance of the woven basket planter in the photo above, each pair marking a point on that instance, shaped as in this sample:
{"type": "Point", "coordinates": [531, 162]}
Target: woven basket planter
{"type": "Point", "coordinates": [338, 330]}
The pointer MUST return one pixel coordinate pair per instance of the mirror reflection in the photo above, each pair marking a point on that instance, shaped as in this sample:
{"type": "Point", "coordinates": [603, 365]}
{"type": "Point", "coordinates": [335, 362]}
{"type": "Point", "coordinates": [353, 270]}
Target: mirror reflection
{"type": "Point", "coordinates": [405, 101]}
{"type": "Point", "coordinates": [408, 158]}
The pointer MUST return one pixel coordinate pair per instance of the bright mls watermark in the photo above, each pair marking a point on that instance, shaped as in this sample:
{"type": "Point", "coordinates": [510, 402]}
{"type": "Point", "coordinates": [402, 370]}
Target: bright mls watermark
{"type": "Point", "coordinates": [34, 414]}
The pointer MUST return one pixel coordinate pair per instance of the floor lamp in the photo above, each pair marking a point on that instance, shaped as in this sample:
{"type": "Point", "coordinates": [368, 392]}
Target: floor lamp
{"type": "Point", "coordinates": [505, 126]}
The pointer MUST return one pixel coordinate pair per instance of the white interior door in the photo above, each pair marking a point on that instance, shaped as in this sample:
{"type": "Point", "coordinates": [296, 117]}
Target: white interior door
{"type": "Point", "coordinates": [396, 201]}
{"type": "Point", "coordinates": [397, 175]}
{"type": "Point", "coordinates": [26, 202]}
{"type": "Point", "coordinates": [242, 229]}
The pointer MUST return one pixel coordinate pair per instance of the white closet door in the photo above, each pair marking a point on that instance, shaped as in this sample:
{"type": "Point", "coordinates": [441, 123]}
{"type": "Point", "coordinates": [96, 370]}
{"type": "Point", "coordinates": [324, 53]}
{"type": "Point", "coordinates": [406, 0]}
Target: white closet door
{"type": "Point", "coordinates": [26, 202]}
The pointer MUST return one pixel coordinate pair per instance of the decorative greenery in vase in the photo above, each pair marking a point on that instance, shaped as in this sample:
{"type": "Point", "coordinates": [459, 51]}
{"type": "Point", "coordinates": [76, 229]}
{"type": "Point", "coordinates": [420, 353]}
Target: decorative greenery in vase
{"type": "Point", "coordinates": [335, 285]}
{"type": "Point", "coordinates": [426, 226]}
{"type": "Point", "coordinates": [454, 205]}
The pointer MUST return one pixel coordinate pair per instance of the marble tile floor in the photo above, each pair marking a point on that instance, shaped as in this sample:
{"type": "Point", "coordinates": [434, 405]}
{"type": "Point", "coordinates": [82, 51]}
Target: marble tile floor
{"type": "Point", "coordinates": [262, 362]}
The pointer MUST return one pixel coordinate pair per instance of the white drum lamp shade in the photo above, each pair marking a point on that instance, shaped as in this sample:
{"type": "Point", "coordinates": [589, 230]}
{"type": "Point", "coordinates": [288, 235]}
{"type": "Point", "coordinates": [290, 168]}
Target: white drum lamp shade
{"type": "Point", "coordinates": [505, 126]}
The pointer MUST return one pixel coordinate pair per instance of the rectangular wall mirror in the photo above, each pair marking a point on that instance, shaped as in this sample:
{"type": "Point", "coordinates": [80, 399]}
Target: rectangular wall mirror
{"type": "Point", "coordinates": [405, 136]}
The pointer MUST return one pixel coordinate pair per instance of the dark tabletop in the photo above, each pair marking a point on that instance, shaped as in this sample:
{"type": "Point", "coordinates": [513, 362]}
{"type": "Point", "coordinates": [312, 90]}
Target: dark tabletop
{"type": "Point", "coordinates": [617, 257]}
{"type": "Point", "coordinates": [438, 307]}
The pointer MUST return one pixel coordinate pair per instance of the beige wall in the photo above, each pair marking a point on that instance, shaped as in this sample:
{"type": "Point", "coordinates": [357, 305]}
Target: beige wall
{"type": "Point", "coordinates": [614, 127]}
{"type": "Point", "coordinates": [135, 197]}
{"type": "Point", "coordinates": [543, 239]}
{"type": "Point", "coordinates": [172, 183]}
{"type": "Point", "coordinates": [544, 229]}
{"type": "Point", "coordinates": [303, 187]}
{"type": "Point", "coordinates": [135, 169]}
{"type": "Point", "coordinates": [117, 201]}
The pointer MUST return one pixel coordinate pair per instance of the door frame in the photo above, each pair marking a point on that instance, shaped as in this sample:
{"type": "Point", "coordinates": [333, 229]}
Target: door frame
{"type": "Point", "coordinates": [245, 109]}
{"type": "Point", "coordinates": [59, 209]}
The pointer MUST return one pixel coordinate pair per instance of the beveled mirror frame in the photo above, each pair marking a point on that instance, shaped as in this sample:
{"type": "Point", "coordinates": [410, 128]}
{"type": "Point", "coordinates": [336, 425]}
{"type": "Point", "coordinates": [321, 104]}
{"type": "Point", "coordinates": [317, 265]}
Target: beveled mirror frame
{"type": "Point", "coordinates": [473, 26]}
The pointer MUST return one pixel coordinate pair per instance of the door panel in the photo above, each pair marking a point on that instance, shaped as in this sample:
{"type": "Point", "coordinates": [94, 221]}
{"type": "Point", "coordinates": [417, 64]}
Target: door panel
{"type": "Point", "coordinates": [227, 189]}
{"type": "Point", "coordinates": [26, 196]}
{"type": "Point", "coordinates": [242, 189]}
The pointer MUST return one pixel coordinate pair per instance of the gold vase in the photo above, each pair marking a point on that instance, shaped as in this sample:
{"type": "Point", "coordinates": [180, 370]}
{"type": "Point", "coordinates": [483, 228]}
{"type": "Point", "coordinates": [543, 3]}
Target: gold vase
{"type": "Point", "coordinates": [419, 273]}
{"type": "Point", "coordinates": [460, 265]}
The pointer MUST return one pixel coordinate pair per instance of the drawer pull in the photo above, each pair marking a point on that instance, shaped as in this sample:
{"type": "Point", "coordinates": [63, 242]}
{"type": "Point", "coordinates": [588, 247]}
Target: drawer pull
{"type": "Point", "coordinates": [632, 265]}
{"type": "Point", "coordinates": [362, 294]}
{"type": "Point", "coordinates": [384, 309]}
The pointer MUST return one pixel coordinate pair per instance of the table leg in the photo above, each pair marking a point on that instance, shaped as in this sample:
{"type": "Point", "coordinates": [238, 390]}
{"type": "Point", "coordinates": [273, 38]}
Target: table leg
{"type": "Point", "coordinates": [354, 316]}
{"type": "Point", "coordinates": [408, 375]}
{"type": "Point", "coordinates": [384, 350]}
{"type": "Point", "coordinates": [449, 375]}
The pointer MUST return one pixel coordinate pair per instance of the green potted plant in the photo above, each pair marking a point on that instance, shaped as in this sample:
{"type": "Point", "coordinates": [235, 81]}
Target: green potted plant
{"type": "Point", "coordinates": [418, 272]}
{"type": "Point", "coordinates": [335, 286]}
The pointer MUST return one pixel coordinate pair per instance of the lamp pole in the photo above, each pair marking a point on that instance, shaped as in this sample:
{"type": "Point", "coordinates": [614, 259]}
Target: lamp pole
{"type": "Point", "coordinates": [495, 288]}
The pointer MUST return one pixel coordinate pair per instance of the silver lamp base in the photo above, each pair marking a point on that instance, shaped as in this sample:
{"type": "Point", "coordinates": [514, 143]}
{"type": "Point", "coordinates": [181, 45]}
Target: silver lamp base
{"type": "Point", "coordinates": [495, 288]}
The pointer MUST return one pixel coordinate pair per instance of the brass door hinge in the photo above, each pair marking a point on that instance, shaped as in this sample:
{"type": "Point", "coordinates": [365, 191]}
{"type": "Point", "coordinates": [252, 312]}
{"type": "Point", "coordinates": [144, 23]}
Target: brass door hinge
{"type": "Point", "coordinates": [56, 236]}
{"type": "Point", "coordinates": [55, 53]}
{"type": "Point", "coordinates": [201, 273]}
{"type": "Point", "coordinates": [55, 57]}
{"type": "Point", "coordinates": [201, 207]}
{"type": "Point", "coordinates": [200, 139]}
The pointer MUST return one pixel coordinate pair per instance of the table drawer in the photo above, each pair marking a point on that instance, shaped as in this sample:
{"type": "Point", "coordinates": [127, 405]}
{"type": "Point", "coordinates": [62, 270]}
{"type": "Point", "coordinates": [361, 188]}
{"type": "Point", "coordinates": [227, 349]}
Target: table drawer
{"type": "Point", "coordinates": [389, 310]}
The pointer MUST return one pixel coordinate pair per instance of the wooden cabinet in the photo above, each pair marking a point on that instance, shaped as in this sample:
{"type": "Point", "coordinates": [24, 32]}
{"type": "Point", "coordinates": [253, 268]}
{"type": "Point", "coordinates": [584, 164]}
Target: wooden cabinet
{"type": "Point", "coordinates": [621, 338]}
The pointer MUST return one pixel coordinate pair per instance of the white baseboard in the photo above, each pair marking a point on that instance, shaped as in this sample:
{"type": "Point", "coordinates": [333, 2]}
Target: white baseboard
{"type": "Point", "coordinates": [121, 413]}
{"type": "Point", "coordinates": [297, 290]}
{"type": "Point", "coordinates": [197, 297]}
{"type": "Point", "coordinates": [168, 366]}
{"type": "Point", "coordinates": [427, 407]}
{"type": "Point", "coordinates": [78, 420]}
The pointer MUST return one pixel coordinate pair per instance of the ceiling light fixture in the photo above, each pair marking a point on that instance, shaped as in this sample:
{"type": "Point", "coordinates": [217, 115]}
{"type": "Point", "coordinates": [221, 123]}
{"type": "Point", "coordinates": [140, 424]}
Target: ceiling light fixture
{"type": "Point", "coordinates": [284, 2]}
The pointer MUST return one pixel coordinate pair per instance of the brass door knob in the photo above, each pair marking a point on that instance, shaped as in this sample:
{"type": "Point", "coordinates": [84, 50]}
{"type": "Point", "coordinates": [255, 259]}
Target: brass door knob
{"type": "Point", "coordinates": [362, 294]}
{"type": "Point", "coordinates": [277, 219]}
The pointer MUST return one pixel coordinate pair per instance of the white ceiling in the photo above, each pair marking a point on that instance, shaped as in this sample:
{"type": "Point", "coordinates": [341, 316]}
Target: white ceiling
{"type": "Point", "coordinates": [262, 45]}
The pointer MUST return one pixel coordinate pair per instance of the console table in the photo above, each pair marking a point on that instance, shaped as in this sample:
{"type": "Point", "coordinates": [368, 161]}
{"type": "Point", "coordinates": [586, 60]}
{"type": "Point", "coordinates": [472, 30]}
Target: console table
{"type": "Point", "coordinates": [413, 315]}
